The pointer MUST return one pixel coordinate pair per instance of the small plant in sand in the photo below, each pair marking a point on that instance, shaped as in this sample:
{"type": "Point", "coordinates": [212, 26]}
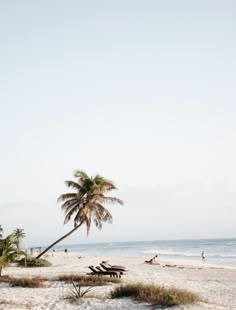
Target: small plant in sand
{"type": "Point", "coordinates": [77, 292]}
{"type": "Point", "coordinates": [155, 295]}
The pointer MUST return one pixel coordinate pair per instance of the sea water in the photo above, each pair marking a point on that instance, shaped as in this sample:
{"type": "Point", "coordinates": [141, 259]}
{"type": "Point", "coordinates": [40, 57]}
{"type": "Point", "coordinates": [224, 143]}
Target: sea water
{"type": "Point", "coordinates": [217, 251]}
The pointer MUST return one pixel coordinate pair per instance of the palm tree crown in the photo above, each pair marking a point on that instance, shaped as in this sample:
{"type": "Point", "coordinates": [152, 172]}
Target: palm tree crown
{"type": "Point", "coordinates": [18, 234]}
{"type": "Point", "coordinates": [86, 203]}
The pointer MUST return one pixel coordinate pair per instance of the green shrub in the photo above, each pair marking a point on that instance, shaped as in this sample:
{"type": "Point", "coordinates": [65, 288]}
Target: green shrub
{"type": "Point", "coordinates": [155, 295]}
{"type": "Point", "coordinates": [33, 262]}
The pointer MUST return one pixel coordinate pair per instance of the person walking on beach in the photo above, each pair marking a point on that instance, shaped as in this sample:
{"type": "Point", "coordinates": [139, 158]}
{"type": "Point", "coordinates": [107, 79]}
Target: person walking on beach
{"type": "Point", "coordinates": [66, 253]}
{"type": "Point", "coordinates": [203, 256]}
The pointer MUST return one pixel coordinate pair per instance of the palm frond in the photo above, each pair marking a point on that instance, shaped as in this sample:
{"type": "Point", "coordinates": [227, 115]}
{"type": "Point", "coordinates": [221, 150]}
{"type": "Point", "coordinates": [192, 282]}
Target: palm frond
{"type": "Point", "coordinates": [98, 223]}
{"type": "Point", "coordinates": [80, 174]}
{"type": "Point", "coordinates": [73, 209]}
{"type": "Point", "coordinates": [104, 213]}
{"type": "Point", "coordinates": [80, 216]}
{"type": "Point", "coordinates": [66, 196]}
{"type": "Point", "coordinates": [67, 205]}
{"type": "Point", "coordinates": [112, 200]}
{"type": "Point", "coordinates": [103, 184]}
{"type": "Point", "coordinates": [73, 184]}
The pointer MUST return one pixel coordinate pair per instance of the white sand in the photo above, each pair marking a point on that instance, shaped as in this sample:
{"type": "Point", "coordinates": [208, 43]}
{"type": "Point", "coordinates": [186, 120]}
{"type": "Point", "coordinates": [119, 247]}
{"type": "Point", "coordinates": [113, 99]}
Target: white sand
{"type": "Point", "coordinates": [214, 284]}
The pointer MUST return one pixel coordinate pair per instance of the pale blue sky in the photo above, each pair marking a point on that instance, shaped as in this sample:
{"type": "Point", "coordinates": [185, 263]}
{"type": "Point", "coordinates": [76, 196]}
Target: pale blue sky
{"type": "Point", "coordinates": [141, 92]}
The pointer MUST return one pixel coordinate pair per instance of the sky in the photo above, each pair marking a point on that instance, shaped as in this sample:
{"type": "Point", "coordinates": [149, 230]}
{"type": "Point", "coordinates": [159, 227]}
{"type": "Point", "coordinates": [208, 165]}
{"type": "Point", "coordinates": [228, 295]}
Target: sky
{"type": "Point", "coordinates": [140, 92]}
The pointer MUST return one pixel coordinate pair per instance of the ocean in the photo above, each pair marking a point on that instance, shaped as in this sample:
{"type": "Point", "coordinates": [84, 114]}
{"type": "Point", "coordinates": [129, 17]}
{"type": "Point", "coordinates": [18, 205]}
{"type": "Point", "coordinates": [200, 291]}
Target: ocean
{"type": "Point", "coordinates": [217, 251]}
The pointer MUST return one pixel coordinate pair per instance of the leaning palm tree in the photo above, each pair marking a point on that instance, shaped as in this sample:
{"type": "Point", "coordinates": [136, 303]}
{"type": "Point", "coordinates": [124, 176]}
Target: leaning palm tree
{"type": "Point", "coordinates": [1, 231]}
{"type": "Point", "coordinates": [8, 251]}
{"type": "Point", "coordinates": [86, 203]}
{"type": "Point", "coordinates": [18, 234]}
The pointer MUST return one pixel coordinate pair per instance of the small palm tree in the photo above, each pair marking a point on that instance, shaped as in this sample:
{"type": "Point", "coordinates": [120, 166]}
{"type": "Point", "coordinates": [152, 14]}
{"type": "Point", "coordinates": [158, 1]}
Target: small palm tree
{"type": "Point", "coordinates": [1, 231]}
{"type": "Point", "coordinates": [8, 251]}
{"type": "Point", "coordinates": [86, 203]}
{"type": "Point", "coordinates": [18, 234]}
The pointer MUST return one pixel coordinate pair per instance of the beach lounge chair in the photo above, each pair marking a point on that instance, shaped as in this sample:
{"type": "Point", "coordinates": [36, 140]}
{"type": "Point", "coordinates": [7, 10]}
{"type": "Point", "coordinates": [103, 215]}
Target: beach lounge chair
{"type": "Point", "coordinates": [112, 273]}
{"type": "Point", "coordinates": [116, 268]}
{"type": "Point", "coordinates": [99, 272]}
{"type": "Point", "coordinates": [94, 271]}
{"type": "Point", "coordinates": [106, 263]}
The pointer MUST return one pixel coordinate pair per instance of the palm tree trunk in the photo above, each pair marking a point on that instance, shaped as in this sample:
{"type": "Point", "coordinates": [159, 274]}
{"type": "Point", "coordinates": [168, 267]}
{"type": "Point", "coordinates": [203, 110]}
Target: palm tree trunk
{"type": "Point", "coordinates": [0, 271]}
{"type": "Point", "coordinates": [59, 240]}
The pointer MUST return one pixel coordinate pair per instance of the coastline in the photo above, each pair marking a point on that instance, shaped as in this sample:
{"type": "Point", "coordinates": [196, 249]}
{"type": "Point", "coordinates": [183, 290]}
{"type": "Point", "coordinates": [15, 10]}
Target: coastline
{"type": "Point", "coordinates": [217, 251]}
{"type": "Point", "coordinates": [215, 284]}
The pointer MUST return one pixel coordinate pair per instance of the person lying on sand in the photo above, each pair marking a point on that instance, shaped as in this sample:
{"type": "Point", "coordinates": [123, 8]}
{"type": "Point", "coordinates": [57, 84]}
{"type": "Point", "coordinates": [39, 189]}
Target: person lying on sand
{"type": "Point", "coordinates": [152, 261]}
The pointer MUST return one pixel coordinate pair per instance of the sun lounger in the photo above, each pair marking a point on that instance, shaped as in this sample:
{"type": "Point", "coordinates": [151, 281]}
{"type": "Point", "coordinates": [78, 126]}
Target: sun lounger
{"type": "Point", "coordinates": [117, 268]}
{"type": "Point", "coordinates": [99, 272]}
{"type": "Point", "coordinates": [114, 266]}
{"type": "Point", "coordinates": [112, 273]}
{"type": "Point", "coordinates": [94, 271]}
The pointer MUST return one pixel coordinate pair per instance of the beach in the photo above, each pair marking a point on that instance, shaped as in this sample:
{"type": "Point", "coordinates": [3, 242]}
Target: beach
{"type": "Point", "coordinates": [216, 285]}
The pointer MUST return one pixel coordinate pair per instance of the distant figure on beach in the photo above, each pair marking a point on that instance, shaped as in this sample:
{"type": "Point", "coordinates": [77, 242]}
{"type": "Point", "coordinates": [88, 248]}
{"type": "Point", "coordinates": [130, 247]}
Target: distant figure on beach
{"type": "Point", "coordinates": [152, 261]}
{"type": "Point", "coordinates": [203, 256]}
{"type": "Point", "coordinates": [66, 251]}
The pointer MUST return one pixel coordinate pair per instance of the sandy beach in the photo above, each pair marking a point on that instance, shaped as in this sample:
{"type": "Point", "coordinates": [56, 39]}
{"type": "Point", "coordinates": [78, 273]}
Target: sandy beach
{"type": "Point", "coordinates": [216, 285]}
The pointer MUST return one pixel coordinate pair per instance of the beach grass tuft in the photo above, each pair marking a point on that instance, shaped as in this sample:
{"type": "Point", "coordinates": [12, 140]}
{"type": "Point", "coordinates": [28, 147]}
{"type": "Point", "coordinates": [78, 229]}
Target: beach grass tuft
{"type": "Point", "coordinates": [24, 282]}
{"type": "Point", "coordinates": [77, 292]}
{"type": "Point", "coordinates": [155, 295]}
{"type": "Point", "coordinates": [5, 279]}
{"type": "Point", "coordinates": [87, 280]}
{"type": "Point", "coordinates": [4, 302]}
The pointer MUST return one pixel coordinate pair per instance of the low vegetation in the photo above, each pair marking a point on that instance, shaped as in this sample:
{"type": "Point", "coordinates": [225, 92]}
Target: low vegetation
{"type": "Point", "coordinates": [27, 282]}
{"type": "Point", "coordinates": [33, 262]}
{"type": "Point", "coordinates": [5, 279]}
{"type": "Point", "coordinates": [23, 282]}
{"type": "Point", "coordinates": [155, 295]}
{"type": "Point", "coordinates": [86, 280]}
{"type": "Point", "coordinates": [4, 302]}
